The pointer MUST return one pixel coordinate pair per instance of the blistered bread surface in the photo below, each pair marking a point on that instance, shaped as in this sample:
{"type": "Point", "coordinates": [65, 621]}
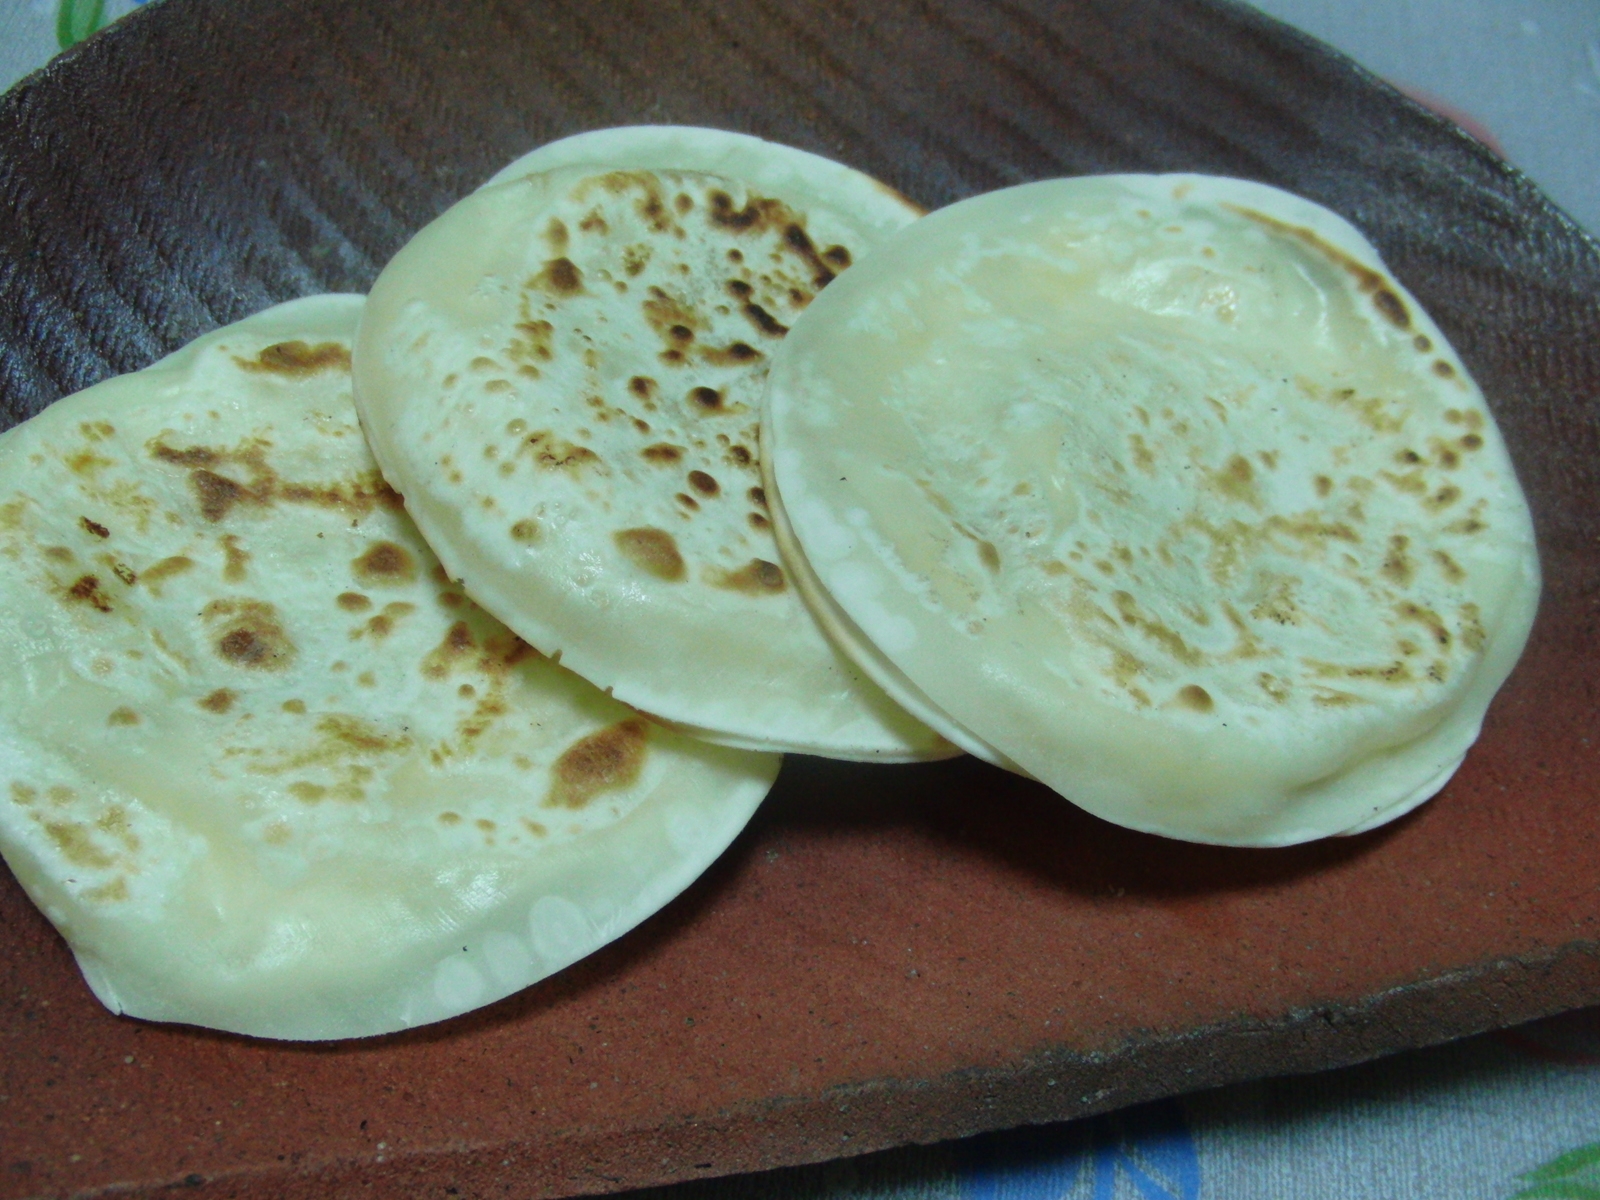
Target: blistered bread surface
{"type": "Point", "coordinates": [265, 766]}
{"type": "Point", "coordinates": [1167, 490]}
{"type": "Point", "coordinates": [563, 374]}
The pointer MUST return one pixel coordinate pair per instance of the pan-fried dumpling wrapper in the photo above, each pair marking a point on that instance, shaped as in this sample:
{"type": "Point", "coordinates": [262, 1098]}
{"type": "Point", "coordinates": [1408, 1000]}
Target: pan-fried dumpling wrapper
{"type": "Point", "coordinates": [262, 766]}
{"type": "Point", "coordinates": [563, 376]}
{"type": "Point", "coordinates": [1164, 489]}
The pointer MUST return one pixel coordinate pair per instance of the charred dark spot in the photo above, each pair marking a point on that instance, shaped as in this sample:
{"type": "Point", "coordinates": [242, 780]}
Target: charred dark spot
{"type": "Point", "coordinates": [703, 483]}
{"type": "Point", "coordinates": [219, 701]}
{"type": "Point", "coordinates": [642, 386]}
{"type": "Point", "coordinates": [682, 202]}
{"type": "Point", "coordinates": [251, 636]}
{"type": "Point", "coordinates": [298, 359]}
{"type": "Point", "coordinates": [758, 577]}
{"type": "Point", "coordinates": [662, 452]}
{"type": "Point", "coordinates": [653, 551]}
{"type": "Point", "coordinates": [1422, 343]}
{"type": "Point", "coordinates": [729, 356]}
{"type": "Point", "coordinates": [758, 522]}
{"type": "Point", "coordinates": [525, 531]}
{"type": "Point", "coordinates": [125, 573]}
{"type": "Point", "coordinates": [654, 210]}
{"type": "Point", "coordinates": [739, 289]}
{"type": "Point", "coordinates": [688, 501]}
{"type": "Point", "coordinates": [1408, 457]}
{"type": "Point", "coordinates": [1471, 441]}
{"type": "Point", "coordinates": [384, 563]}
{"type": "Point", "coordinates": [560, 277]}
{"type": "Point", "coordinates": [752, 216]}
{"type": "Point", "coordinates": [673, 358]}
{"type": "Point", "coordinates": [1392, 308]}
{"type": "Point", "coordinates": [798, 240]}
{"type": "Point", "coordinates": [838, 256]}
{"type": "Point", "coordinates": [598, 763]}
{"type": "Point", "coordinates": [757, 496]}
{"type": "Point", "coordinates": [740, 456]}
{"type": "Point", "coordinates": [94, 527]}
{"type": "Point", "coordinates": [681, 334]}
{"type": "Point", "coordinates": [706, 399]}
{"type": "Point", "coordinates": [86, 590]}
{"type": "Point", "coordinates": [553, 454]}
{"type": "Point", "coordinates": [1443, 369]}
{"type": "Point", "coordinates": [765, 321]}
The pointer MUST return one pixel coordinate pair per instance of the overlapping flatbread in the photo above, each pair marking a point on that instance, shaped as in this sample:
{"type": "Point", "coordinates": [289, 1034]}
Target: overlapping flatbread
{"type": "Point", "coordinates": [1164, 490]}
{"type": "Point", "coordinates": [563, 376]}
{"type": "Point", "coordinates": [262, 764]}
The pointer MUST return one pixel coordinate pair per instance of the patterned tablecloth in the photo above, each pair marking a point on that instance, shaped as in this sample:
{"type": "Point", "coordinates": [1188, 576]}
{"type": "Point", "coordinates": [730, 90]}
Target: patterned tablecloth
{"type": "Point", "coordinates": [1507, 1116]}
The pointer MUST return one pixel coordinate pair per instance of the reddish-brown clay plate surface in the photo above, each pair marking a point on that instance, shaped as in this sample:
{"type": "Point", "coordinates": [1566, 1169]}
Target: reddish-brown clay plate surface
{"type": "Point", "coordinates": [890, 954]}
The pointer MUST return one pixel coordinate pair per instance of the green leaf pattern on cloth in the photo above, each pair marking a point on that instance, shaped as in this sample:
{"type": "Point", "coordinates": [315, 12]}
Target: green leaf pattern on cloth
{"type": "Point", "coordinates": [77, 19]}
{"type": "Point", "coordinates": [1574, 1175]}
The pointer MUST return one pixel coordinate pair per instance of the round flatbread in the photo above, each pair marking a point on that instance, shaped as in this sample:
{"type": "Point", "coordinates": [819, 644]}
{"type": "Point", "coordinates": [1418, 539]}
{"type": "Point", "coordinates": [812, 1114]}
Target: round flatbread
{"type": "Point", "coordinates": [265, 768]}
{"type": "Point", "coordinates": [563, 375]}
{"type": "Point", "coordinates": [1165, 490]}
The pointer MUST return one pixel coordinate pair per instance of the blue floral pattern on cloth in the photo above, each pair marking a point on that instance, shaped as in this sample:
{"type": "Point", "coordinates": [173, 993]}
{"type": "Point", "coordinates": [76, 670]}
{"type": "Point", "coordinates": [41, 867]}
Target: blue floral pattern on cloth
{"type": "Point", "coordinates": [1143, 1153]}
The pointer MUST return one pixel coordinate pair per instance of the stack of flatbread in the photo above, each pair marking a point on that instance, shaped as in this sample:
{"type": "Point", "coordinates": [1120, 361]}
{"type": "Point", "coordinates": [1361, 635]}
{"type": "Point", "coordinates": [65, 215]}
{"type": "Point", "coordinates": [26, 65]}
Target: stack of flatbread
{"type": "Point", "coordinates": [369, 660]}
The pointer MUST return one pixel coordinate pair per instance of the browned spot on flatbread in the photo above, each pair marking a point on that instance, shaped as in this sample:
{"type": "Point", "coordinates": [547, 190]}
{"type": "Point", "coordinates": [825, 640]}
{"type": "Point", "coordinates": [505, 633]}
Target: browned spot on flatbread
{"type": "Point", "coordinates": [758, 577]}
{"type": "Point", "coordinates": [559, 277]}
{"type": "Point", "coordinates": [237, 562]}
{"type": "Point", "coordinates": [763, 320]}
{"type": "Point", "coordinates": [164, 569]}
{"type": "Point", "coordinates": [457, 647]}
{"type": "Point", "coordinates": [248, 634]}
{"type": "Point", "coordinates": [384, 564]}
{"type": "Point", "coordinates": [735, 354]}
{"type": "Point", "coordinates": [86, 590]}
{"type": "Point", "coordinates": [296, 359]}
{"type": "Point", "coordinates": [598, 763]}
{"type": "Point", "coordinates": [663, 453]}
{"type": "Point", "coordinates": [352, 601]}
{"type": "Point", "coordinates": [217, 494]}
{"type": "Point", "coordinates": [1195, 697]}
{"type": "Point", "coordinates": [555, 454]}
{"type": "Point", "coordinates": [704, 484]}
{"type": "Point", "coordinates": [94, 527]}
{"type": "Point", "coordinates": [654, 551]}
{"type": "Point", "coordinates": [76, 845]}
{"type": "Point", "coordinates": [1368, 281]}
{"type": "Point", "coordinates": [122, 716]}
{"type": "Point", "coordinates": [219, 701]}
